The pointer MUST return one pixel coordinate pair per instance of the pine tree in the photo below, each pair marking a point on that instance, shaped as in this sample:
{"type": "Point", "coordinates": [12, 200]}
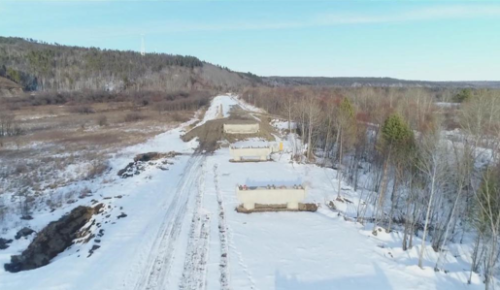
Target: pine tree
{"type": "Point", "coordinates": [463, 96]}
{"type": "Point", "coordinates": [396, 143]}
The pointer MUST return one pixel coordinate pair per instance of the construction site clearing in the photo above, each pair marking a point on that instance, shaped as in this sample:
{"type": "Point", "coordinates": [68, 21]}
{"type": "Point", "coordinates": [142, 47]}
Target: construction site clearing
{"type": "Point", "coordinates": [239, 126]}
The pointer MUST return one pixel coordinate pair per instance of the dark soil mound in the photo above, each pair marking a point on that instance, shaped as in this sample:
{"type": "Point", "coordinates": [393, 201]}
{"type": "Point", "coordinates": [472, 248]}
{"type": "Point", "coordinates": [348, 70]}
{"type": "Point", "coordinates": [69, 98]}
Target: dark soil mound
{"type": "Point", "coordinates": [144, 157]}
{"type": "Point", "coordinates": [24, 232]}
{"type": "Point", "coordinates": [4, 244]}
{"type": "Point", "coordinates": [52, 240]}
{"type": "Point", "coordinates": [141, 161]}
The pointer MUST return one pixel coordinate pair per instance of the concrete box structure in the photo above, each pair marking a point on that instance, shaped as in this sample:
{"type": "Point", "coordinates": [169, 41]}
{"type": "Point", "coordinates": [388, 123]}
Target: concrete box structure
{"type": "Point", "coordinates": [258, 153]}
{"type": "Point", "coordinates": [291, 196]}
{"type": "Point", "coordinates": [241, 128]}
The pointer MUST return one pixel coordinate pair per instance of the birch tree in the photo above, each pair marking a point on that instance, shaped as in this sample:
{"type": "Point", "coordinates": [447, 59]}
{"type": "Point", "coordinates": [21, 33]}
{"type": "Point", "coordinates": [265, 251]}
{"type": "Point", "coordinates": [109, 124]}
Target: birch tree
{"type": "Point", "coordinates": [487, 215]}
{"type": "Point", "coordinates": [432, 164]}
{"type": "Point", "coordinates": [346, 129]}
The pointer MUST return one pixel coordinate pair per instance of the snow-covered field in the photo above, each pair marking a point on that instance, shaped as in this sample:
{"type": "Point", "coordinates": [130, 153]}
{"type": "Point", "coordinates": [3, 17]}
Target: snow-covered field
{"type": "Point", "coordinates": [182, 232]}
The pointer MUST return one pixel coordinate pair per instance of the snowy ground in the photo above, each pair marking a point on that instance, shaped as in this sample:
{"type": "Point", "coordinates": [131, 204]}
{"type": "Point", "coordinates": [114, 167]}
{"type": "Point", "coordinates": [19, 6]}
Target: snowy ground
{"type": "Point", "coordinates": [213, 111]}
{"type": "Point", "coordinates": [182, 232]}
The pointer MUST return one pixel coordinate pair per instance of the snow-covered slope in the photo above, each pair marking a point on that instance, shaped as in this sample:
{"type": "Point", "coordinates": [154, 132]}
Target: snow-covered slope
{"type": "Point", "coordinates": [182, 232]}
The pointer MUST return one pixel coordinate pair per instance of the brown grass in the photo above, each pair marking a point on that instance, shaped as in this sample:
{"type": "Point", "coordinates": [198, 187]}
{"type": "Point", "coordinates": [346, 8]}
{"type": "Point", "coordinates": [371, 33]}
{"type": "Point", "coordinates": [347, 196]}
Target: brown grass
{"type": "Point", "coordinates": [64, 137]}
{"type": "Point", "coordinates": [69, 141]}
{"type": "Point", "coordinates": [133, 117]}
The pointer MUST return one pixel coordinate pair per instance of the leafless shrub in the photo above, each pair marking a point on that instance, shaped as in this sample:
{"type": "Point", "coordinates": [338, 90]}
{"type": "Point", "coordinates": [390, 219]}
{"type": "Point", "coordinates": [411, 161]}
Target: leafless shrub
{"type": "Point", "coordinates": [3, 210]}
{"type": "Point", "coordinates": [14, 107]}
{"type": "Point", "coordinates": [85, 192]}
{"type": "Point", "coordinates": [133, 117]}
{"type": "Point", "coordinates": [69, 195]}
{"type": "Point", "coordinates": [26, 206]}
{"type": "Point", "coordinates": [81, 109]}
{"type": "Point", "coordinates": [98, 168]}
{"type": "Point", "coordinates": [20, 169]}
{"type": "Point", "coordinates": [178, 117]}
{"type": "Point", "coordinates": [6, 124]}
{"type": "Point", "coordinates": [102, 121]}
{"type": "Point", "coordinates": [55, 201]}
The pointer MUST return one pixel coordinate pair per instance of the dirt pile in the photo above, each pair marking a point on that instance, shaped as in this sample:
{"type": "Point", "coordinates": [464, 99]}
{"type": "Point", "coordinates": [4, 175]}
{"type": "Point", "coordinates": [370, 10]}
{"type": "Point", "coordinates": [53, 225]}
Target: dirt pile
{"type": "Point", "coordinates": [210, 133]}
{"type": "Point", "coordinates": [150, 156]}
{"type": "Point", "coordinates": [141, 161]}
{"type": "Point", "coordinates": [24, 232]}
{"type": "Point", "coordinates": [52, 240]}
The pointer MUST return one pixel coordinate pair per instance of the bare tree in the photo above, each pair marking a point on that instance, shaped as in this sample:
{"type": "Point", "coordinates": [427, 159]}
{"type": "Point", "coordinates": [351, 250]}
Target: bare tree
{"type": "Point", "coordinates": [346, 130]}
{"type": "Point", "coordinates": [462, 167]}
{"type": "Point", "coordinates": [487, 216]}
{"type": "Point", "coordinates": [6, 125]}
{"type": "Point", "coordinates": [432, 163]}
{"type": "Point", "coordinates": [312, 113]}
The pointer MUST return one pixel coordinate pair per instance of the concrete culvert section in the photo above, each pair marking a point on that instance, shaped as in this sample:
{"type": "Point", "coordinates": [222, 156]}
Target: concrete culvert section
{"type": "Point", "coordinates": [241, 128]}
{"type": "Point", "coordinates": [251, 153]}
{"type": "Point", "coordinates": [271, 195]}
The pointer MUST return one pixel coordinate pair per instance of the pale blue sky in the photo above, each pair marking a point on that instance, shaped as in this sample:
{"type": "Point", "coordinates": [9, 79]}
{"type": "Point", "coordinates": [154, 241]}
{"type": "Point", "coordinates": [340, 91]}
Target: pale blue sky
{"type": "Point", "coordinates": [427, 40]}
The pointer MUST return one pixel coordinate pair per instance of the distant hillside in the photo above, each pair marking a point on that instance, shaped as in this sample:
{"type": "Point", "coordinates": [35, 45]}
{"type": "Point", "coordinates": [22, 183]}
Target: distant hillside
{"type": "Point", "coordinates": [41, 66]}
{"type": "Point", "coordinates": [373, 82]}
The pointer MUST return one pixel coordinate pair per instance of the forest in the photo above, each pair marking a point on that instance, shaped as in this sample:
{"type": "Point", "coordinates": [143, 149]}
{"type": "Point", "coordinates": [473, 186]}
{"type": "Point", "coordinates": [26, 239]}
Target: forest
{"type": "Point", "coordinates": [40, 66]}
{"type": "Point", "coordinates": [425, 160]}
{"type": "Point", "coordinates": [375, 82]}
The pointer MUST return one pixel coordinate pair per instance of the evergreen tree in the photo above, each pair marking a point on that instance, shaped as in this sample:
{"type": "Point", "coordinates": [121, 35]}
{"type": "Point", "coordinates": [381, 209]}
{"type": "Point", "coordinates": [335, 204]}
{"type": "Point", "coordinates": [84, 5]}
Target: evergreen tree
{"type": "Point", "coordinates": [13, 75]}
{"type": "Point", "coordinates": [396, 143]}
{"type": "Point", "coordinates": [463, 96]}
{"type": "Point", "coordinates": [396, 135]}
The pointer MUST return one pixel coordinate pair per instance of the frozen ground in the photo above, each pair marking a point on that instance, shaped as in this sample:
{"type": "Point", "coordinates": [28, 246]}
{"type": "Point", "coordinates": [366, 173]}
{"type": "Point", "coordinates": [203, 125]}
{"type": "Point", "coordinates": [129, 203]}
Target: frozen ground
{"type": "Point", "coordinates": [182, 232]}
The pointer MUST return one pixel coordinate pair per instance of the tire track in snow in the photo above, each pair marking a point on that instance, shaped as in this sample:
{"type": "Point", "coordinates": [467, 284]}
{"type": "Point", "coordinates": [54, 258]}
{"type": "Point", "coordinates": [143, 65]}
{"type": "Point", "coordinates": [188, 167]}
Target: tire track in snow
{"type": "Point", "coordinates": [195, 262]}
{"type": "Point", "coordinates": [162, 253]}
{"type": "Point", "coordinates": [225, 241]}
{"type": "Point", "coordinates": [224, 259]}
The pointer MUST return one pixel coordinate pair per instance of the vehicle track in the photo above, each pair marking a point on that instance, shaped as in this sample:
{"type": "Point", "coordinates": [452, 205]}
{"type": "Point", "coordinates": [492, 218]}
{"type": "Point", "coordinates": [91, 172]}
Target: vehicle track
{"type": "Point", "coordinates": [162, 253]}
{"type": "Point", "coordinates": [195, 262]}
{"type": "Point", "coordinates": [224, 260]}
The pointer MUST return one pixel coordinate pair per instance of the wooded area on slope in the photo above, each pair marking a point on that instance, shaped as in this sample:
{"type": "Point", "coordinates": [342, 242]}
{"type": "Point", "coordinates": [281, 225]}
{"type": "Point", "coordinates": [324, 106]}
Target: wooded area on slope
{"type": "Point", "coordinates": [44, 67]}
